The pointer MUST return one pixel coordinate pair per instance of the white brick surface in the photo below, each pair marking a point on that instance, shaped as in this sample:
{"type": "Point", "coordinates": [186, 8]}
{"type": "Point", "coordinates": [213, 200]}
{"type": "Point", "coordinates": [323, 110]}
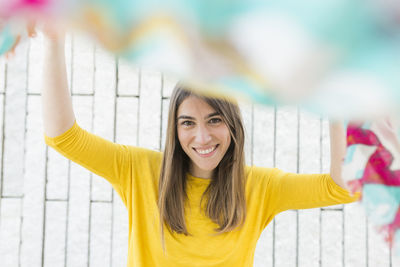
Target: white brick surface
{"type": "Point", "coordinates": [285, 254]}
{"type": "Point", "coordinates": [100, 234]}
{"type": "Point", "coordinates": [127, 121]}
{"type": "Point", "coordinates": [264, 250]}
{"type": "Point", "coordinates": [286, 139]}
{"type": "Point", "coordinates": [10, 231]}
{"type": "Point", "coordinates": [150, 110]}
{"type": "Point", "coordinates": [128, 79]}
{"type": "Point", "coordinates": [14, 123]}
{"type": "Point", "coordinates": [326, 152]}
{"type": "Point", "coordinates": [309, 238]}
{"type": "Point", "coordinates": [355, 239]}
{"type": "Point", "coordinates": [35, 64]}
{"type": "Point", "coordinates": [310, 143]}
{"type": "Point", "coordinates": [332, 238]}
{"type": "Point", "coordinates": [55, 234]}
{"type": "Point", "coordinates": [82, 65]}
{"type": "Point", "coordinates": [34, 187]}
{"type": "Point", "coordinates": [119, 233]}
{"type": "Point", "coordinates": [78, 217]}
{"type": "Point", "coordinates": [1, 136]}
{"type": "Point", "coordinates": [247, 114]}
{"type": "Point", "coordinates": [57, 176]}
{"type": "Point", "coordinates": [104, 113]}
{"type": "Point", "coordinates": [168, 85]}
{"type": "Point", "coordinates": [263, 144]}
{"type": "Point", "coordinates": [48, 204]}
{"type": "Point", "coordinates": [164, 118]}
{"type": "Point", "coordinates": [104, 97]}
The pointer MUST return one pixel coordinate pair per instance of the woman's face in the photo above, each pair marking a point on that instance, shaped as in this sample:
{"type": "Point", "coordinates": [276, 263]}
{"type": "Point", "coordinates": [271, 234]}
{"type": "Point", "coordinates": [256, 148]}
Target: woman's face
{"type": "Point", "coordinates": [203, 135]}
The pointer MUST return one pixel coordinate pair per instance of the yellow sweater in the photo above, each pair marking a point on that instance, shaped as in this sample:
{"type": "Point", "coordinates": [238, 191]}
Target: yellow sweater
{"type": "Point", "coordinates": [134, 172]}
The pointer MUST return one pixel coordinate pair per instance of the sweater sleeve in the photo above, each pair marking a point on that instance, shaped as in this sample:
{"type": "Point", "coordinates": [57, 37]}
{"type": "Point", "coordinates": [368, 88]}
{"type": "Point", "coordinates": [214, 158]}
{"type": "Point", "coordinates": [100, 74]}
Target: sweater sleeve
{"type": "Point", "coordinates": [118, 164]}
{"type": "Point", "coordinates": [305, 191]}
{"type": "Point", "coordinates": [286, 191]}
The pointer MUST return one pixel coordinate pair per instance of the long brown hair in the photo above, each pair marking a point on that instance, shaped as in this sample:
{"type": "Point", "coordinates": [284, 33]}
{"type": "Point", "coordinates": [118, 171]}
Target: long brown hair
{"type": "Point", "coordinates": [226, 204]}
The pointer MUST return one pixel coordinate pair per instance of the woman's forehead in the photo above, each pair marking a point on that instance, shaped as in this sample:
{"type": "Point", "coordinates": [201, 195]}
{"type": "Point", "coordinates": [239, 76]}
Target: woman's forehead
{"type": "Point", "coordinates": [194, 106]}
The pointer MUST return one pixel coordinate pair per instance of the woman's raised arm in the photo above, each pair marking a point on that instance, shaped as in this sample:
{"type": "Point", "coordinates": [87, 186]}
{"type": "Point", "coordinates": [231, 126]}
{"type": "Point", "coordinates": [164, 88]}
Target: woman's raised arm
{"type": "Point", "coordinates": [58, 114]}
{"type": "Point", "coordinates": [338, 152]}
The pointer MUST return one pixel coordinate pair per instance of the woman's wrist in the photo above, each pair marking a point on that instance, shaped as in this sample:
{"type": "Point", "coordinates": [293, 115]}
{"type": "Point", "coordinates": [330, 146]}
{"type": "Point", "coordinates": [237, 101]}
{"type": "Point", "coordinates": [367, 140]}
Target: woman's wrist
{"type": "Point", "coordinates": [52, 45]}
{"type": "Point", "coordinates": [54, 42]}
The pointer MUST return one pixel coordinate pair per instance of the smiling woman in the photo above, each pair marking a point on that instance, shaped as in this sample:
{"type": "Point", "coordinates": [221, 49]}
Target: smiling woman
{"type": "Point", "coordinates": [213, 207]}
{"type": "Point", "coordinates": [210, 144]}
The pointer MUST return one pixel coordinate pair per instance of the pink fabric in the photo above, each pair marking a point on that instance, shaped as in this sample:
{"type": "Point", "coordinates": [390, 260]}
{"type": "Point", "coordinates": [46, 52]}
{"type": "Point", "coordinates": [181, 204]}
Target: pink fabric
{"type": "Point", "coordinates": [379, 167]}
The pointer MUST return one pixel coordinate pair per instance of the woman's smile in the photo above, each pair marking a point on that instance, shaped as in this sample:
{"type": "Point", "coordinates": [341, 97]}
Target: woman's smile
{"type": "Point", "coordinates": [206, 152]}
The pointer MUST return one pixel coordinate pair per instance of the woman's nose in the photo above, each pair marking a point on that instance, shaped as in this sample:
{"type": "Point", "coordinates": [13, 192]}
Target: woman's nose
{"type": "Point", "coordinates": [203, 135]}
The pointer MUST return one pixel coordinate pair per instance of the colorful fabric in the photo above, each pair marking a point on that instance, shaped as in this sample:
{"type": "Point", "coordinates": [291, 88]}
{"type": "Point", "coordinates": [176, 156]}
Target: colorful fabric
{"type": "Point", "coordinates": [134, 174]}
{"type": "Point", "coordinates": [372, 167]}
{"type": "Point", "coordinates": [309, 52]}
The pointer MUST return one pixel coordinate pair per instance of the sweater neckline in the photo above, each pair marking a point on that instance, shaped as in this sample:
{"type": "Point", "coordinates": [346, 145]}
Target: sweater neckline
{"type": "Point", "coordinates": [198, 179]}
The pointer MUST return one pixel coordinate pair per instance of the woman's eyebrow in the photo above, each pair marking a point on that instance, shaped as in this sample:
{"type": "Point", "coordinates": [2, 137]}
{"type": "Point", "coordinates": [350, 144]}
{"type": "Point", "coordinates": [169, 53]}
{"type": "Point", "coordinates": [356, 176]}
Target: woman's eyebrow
{"type": "Point", "coordinates": [211, 115]}
{"type": "Point", "coordinates": [191, 118]}
{"type": "Point", "coordinates": [185, 117]}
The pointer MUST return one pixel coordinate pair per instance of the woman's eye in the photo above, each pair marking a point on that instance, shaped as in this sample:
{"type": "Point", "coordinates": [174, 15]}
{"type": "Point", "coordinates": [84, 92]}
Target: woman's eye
{"type": "Point", "coordinates": [215, 120]}
{"type": "Point", "coordinates": [187, 123]}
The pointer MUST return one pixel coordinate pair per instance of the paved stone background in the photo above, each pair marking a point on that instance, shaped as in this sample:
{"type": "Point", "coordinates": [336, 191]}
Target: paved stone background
{"type": "Point", "coordinates": [55, 213]}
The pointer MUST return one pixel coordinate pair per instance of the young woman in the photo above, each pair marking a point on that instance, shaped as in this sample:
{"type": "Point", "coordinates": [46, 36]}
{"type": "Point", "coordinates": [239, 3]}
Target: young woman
{"type": "Point", "coordinates": [196, 203]}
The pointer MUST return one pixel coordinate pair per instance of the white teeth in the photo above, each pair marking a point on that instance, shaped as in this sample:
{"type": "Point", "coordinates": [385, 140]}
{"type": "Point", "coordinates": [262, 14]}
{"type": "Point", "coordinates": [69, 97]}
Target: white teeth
{"type": "Point", "coordinates": [206, 151]}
